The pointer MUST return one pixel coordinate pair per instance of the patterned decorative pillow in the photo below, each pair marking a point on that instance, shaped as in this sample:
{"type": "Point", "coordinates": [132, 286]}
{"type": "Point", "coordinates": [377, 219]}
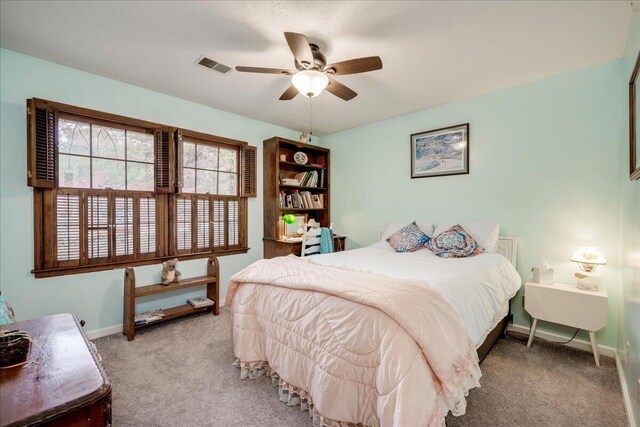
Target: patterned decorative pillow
{"type": "Point", "coordinates": [408, 238]}
{"type": "Point", "coordinates": [454, 243]}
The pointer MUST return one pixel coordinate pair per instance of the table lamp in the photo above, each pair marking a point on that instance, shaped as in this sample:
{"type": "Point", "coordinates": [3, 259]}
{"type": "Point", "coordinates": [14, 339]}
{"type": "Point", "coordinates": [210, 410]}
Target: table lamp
{"type": "Point", "coordinates": [588, 259]}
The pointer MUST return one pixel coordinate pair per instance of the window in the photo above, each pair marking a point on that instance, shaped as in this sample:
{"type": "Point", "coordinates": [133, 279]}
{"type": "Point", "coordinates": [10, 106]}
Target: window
{"type": "Point", "coordinates": [99, 156]}
{"type": "Point", "coordinates": [111, 191]}
{"type": "Point", "coordinates": [209, 169]}
{"type": "Point", "coordinates": [208, 211]}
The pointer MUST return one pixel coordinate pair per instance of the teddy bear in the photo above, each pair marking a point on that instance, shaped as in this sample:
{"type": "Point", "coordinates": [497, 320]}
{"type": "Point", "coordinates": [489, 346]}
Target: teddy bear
{"type": "Point", "coordinates": [170, 272]}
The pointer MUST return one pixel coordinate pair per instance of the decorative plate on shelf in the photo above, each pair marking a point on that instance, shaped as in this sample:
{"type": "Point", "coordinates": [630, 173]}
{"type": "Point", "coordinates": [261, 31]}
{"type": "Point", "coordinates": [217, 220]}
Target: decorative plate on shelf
{"type": "Point", "coordinates": [300, 158]}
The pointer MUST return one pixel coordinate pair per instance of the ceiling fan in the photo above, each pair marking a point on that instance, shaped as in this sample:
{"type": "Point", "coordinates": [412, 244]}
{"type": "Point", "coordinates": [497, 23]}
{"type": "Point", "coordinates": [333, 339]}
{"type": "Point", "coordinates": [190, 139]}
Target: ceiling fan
{"type": "Point", "coordinates": [313, 73]}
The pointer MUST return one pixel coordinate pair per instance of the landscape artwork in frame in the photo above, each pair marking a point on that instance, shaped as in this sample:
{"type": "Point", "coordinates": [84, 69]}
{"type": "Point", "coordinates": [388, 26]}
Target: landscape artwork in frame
{"type": "Point", "coordinates": [440, 152]}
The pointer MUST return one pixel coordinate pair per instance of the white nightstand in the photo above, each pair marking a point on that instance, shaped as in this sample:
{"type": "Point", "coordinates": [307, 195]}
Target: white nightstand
{"type": "Point", "coordinates": [567, 305]}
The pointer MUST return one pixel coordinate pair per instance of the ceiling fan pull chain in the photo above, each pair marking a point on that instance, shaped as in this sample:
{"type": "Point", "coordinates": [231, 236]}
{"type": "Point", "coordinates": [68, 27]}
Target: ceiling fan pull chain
{"type": "Point", "coordinates": [310, 118]}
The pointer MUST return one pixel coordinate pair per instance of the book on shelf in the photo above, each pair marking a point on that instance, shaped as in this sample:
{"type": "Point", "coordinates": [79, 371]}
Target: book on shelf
{"type": "Point", "coordinates": [315, 200]}
{"type": "Point", "coordinates": [148, 317]}
{"type": "Point", "coordinates": [301, 200]}
{"type": "Point", "coordinates": [200, 302]}
{"type": "Point", "coordinates": [302, 179]}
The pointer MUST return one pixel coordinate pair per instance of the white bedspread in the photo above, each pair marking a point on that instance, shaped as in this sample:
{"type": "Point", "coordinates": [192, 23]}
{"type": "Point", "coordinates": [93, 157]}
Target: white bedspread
{"type": "Point", "coordinates": [478, 288]}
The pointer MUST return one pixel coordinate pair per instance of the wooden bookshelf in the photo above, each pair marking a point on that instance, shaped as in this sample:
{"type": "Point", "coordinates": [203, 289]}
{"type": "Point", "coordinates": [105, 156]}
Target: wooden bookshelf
{"type": "Point", "coordinates": [274, 170]}
{"type": "Point", "coordinates": [132, 293]}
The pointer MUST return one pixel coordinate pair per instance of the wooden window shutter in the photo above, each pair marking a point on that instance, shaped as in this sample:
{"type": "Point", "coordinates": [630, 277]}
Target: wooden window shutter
{"type": "Point", "coordinates": [164, 166]}
{"type": "Point", "coordinates": [177, 144]}
{"type": "Point", "coordinates": [147, 225]}
{"type": "Point", "coordinates": [68, 240]}
{"type": "Point", "coordinates": [233, 222]}
{"type": "Point", "coordinates": [41, 144]}
{"type": "Point", "coordinates": [183, 224]}
{"type": "Point", "coordinates": [98, 226]}
{"type": "Point", "coordinates": [219, 228]}
{"type": "Point", "coordinates": [123, 226]}
{"type": "Point", "coordinates": [249, 166]}
{"type": "Point", "coordinates": [203, 224]}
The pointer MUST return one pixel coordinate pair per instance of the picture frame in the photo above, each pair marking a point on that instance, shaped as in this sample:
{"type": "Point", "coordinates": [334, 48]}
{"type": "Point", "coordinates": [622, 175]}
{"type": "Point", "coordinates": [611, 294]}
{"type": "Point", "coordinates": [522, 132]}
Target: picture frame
{"type": "Point", "coordinates": [440, 152]}
{"type": "Point", "coordinates": [634, 125]}
{"type": "Point", "coordinates": [291, 230]}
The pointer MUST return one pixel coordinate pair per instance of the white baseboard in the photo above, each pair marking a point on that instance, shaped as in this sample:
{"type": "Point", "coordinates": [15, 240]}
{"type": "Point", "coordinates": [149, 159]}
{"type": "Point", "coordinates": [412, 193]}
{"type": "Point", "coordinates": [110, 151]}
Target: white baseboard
{"type": "Point", "coordinates": [115, 329]}
{"type": "Point", "coordinates": [626, 393]}
{"type": "Point", "coordinates": [109, 330]}
{"type": "Point", "coordinates": [576, 343]}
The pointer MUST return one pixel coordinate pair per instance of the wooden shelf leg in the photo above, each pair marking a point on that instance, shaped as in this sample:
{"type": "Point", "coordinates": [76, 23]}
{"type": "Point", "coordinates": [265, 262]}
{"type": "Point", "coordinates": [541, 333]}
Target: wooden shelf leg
{"type": "Point", "coordinates": [213, 289]}
{"type": "Point", "coordinates": [594, 346]}
{"type": "Point", "coordinates": [533, 332]}
{"type": "Point", "coordinates": [129, 309]}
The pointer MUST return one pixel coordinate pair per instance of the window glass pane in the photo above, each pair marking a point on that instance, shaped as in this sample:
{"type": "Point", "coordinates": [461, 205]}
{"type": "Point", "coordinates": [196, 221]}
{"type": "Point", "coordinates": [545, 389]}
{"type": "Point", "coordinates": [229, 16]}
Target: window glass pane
{"type": "Point", "coordinates": [188, 180]}
{"type": "Point", "coordinates": [140, 146]}
{"type": "Point", "coordinates": [189, 154]}
{"type": "Point", "coordinates": [206, 182]}
{"type": "Point", "coordinates": [227, 184]}
{"type": "Point", "coordinates": [140, 176]}
{"type": "Point", "coordinates": [228, 160]}
{"type": "Point", "coordinates": [108, 142]}
{"type": "Point", "coordinates": [108, 173]}
{"type": "Point", "coordinates": [73, 137]}
{"type": "Point", "coordinates": [206, 157]}
{"type": "Point", "coordinates": [73, 171]}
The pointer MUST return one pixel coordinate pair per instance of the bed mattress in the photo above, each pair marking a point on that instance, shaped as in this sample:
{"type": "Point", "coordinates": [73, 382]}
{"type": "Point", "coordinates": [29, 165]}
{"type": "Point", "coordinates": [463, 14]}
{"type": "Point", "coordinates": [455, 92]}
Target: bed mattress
{"type": "Point", "coordinates": [478, 288]}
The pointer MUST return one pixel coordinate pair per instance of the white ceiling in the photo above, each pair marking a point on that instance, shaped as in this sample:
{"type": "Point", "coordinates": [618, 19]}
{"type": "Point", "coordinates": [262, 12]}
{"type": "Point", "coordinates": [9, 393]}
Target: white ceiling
{"type": "Point", "coordinates": [433, 52]}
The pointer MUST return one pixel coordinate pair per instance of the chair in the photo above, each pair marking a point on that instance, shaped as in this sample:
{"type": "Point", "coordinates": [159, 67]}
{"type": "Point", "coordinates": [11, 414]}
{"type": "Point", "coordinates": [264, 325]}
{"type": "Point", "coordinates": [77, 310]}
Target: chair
{"type": "Point", "coordinates": [310, 240]}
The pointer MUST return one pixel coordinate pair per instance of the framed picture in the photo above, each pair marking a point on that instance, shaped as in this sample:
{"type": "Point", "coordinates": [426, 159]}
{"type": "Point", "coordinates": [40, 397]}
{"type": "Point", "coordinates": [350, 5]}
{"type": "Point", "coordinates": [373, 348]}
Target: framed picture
{"type": "Point", "coordinates": [634, 125]}
{"type": "Point", "coordinates": [440, 152]}
{"type": "Point", "coordinates": [291, 230]}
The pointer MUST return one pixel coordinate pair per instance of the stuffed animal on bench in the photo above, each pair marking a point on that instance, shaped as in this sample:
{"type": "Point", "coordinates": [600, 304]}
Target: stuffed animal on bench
{"type": "Point", "coordinates": [170, 273]}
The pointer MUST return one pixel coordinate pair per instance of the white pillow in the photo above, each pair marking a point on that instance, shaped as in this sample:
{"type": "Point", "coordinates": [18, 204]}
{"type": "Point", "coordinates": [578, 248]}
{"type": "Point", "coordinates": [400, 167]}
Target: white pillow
{"type": "Point", "coordinates": [392, 227]}
{"type": "Point", "coordinates": [485, 232]}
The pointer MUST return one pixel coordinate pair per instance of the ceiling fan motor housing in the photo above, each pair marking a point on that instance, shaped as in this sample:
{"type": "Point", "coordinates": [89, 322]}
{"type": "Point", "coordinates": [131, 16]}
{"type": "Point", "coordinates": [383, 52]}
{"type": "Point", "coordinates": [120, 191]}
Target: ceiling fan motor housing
{"type": "Point", "coordinates": [320, 61]}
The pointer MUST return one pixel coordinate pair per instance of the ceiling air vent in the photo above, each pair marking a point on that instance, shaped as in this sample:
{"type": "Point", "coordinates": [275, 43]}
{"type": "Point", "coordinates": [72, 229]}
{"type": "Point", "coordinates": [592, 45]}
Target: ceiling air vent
{"type": "Point", "coordinates": [213, 65]}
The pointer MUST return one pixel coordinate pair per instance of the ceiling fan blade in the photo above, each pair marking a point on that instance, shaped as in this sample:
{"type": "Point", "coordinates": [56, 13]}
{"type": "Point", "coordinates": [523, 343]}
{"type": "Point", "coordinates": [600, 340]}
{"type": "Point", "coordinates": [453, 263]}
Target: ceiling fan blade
{"type": "Point", "coordinates": [355, 66]}
{"type": "Point", "coordinates": [264, 70]}
{"type": "Point", "coordinates": [289, 94]}
{"type": "Point", "coordinates": [300, 48]}
{"type": "Point", "coordinates": [340, 90]}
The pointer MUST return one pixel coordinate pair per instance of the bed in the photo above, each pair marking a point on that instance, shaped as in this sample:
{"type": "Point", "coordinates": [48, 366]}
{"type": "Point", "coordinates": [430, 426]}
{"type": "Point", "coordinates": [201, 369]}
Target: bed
{"type": "Point", "coordinates": [372, 337]}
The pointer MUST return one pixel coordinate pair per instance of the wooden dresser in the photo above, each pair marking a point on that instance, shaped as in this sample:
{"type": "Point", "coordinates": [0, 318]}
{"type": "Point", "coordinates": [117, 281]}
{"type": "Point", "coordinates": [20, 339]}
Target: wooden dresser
{"type": "Point", "coordinates": [69, 386]}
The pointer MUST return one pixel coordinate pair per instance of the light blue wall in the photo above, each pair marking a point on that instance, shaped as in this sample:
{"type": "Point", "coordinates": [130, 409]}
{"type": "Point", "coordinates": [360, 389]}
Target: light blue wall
{"type": "Point", "coordinates": [629, 307]}
{"type": "Point", "coordinates": [95, 297]}
{"type": "Point", "coordinates": [545, 164]}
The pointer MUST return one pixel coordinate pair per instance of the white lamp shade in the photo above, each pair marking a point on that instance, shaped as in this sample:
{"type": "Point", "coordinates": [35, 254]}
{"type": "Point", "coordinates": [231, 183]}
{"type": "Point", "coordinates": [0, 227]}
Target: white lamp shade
{"type": "Point", "coordinates": [588, 255]}
{"type": "Point", "coordinates": [310, 83]}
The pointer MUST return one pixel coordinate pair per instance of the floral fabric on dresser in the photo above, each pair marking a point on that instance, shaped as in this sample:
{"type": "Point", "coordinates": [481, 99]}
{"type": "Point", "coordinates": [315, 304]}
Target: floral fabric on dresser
{"type": "Point", "coordinates": [408, 238]}
{"type": "Point", "coordinates": [454, 243]}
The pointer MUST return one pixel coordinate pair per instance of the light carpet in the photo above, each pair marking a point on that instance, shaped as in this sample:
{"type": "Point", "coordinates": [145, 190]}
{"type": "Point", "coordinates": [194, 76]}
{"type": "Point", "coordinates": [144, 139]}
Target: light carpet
{"type": "Point", "coordinates": [180, 374]}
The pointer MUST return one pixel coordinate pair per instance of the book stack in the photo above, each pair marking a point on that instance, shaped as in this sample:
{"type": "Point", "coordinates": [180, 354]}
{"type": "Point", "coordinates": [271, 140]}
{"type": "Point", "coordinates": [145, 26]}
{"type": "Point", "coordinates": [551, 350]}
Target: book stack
{"type": "Point", "coordinates": [305, 179]}
{"type": "Point", "coordinates": [301, 200]}
{"type": "Point", "coordinates": [149, 317]}
{"type": "Point", "coordinates": [200, 302]}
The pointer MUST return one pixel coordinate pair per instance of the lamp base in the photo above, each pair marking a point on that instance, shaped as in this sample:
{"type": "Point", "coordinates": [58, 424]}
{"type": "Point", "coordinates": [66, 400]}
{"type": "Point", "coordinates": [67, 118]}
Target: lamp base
{"type": "Point", "coordinates": [588, 282]}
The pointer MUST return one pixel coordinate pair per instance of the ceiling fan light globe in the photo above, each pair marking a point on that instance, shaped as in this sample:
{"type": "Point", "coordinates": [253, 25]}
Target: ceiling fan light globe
{"type": "Point", "coordinates": [310, 83]}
